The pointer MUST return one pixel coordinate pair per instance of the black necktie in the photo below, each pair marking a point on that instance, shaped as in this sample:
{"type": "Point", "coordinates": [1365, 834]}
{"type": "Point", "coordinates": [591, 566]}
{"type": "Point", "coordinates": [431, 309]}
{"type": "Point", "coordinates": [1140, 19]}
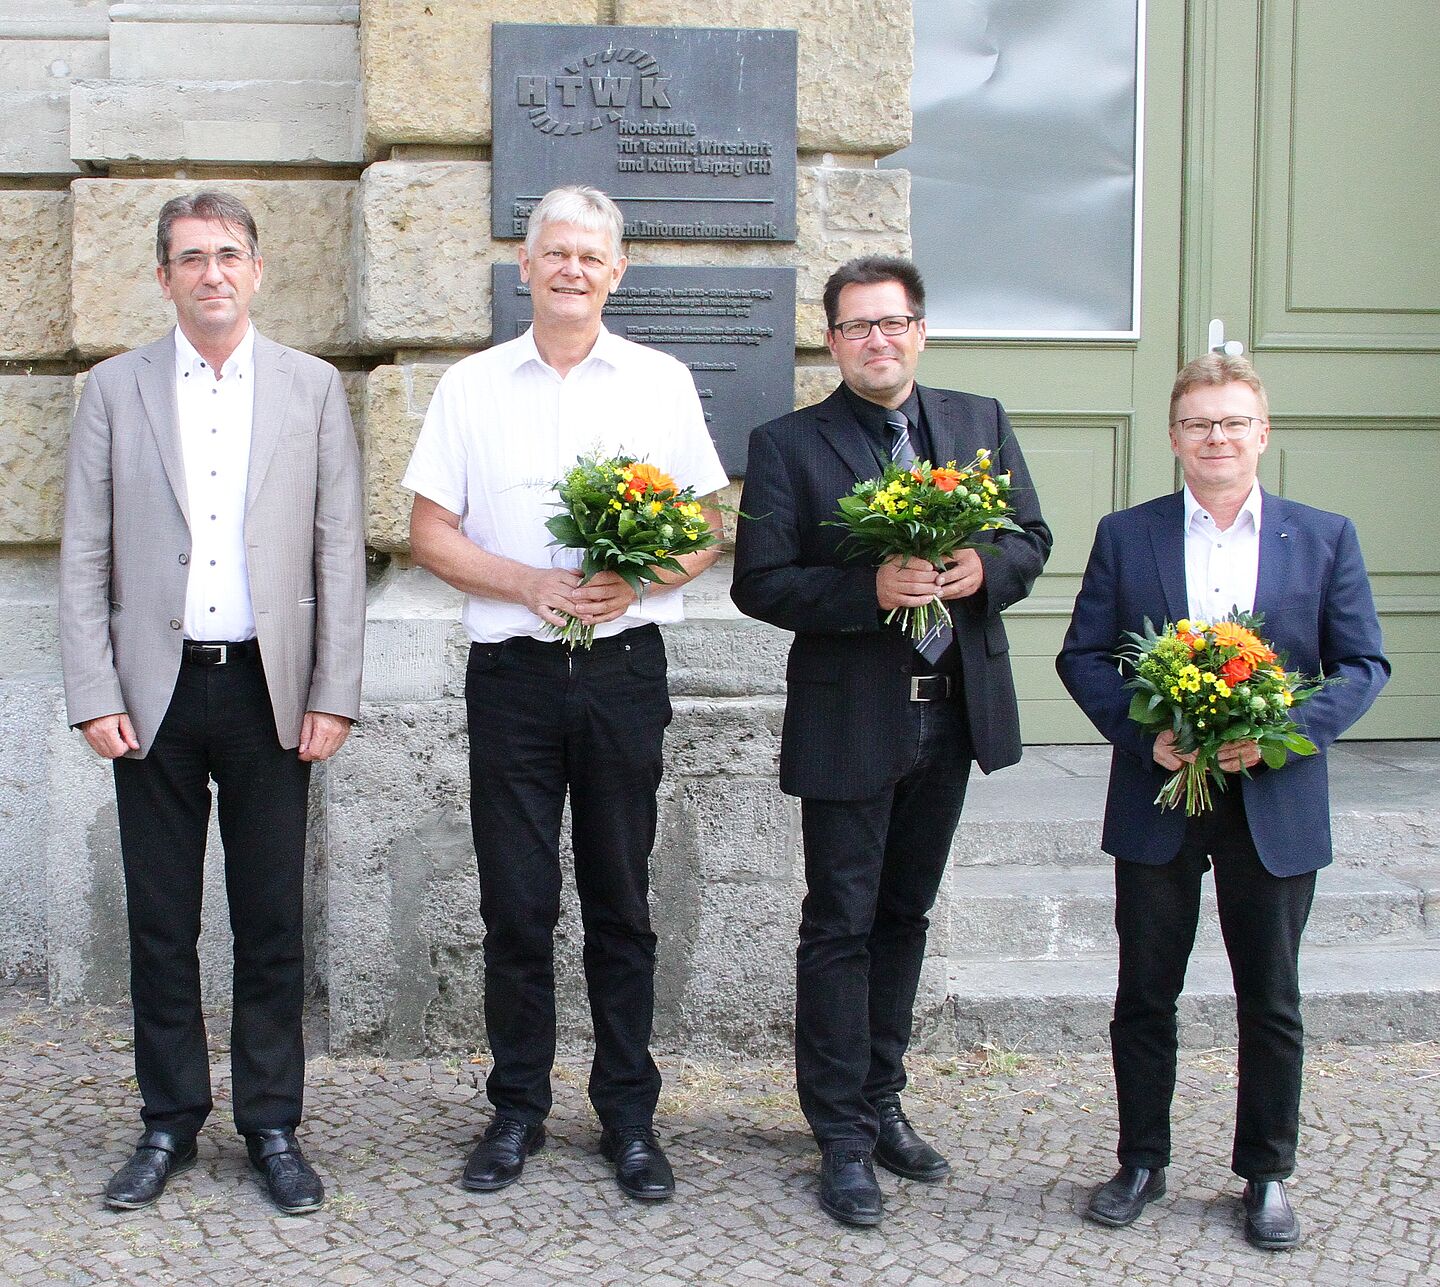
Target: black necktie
{"type": "Point", "coordinates": [902, 452]}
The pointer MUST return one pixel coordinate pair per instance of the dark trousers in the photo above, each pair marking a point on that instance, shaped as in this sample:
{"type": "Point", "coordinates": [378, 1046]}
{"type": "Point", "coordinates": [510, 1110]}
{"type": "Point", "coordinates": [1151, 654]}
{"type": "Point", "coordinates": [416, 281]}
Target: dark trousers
{"type": "Point", "coordinates": [543, 719]}
{"type": "Point", "coordinates": [872, 870]}
{"type": "Point", "coordinates": [219, 725]}
{"type": "Point", "coordinates": [1261, 918]}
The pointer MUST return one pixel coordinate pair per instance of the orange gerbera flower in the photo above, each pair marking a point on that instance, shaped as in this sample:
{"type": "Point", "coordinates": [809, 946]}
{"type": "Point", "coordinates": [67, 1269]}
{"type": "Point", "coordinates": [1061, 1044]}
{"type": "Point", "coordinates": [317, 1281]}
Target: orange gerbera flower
{"type": "Point", "coordinates": [646, 478]}
{"type": "Point", "coordinates": [1247, 645]}
{"type": "Point", "coordinates": [945, 478]}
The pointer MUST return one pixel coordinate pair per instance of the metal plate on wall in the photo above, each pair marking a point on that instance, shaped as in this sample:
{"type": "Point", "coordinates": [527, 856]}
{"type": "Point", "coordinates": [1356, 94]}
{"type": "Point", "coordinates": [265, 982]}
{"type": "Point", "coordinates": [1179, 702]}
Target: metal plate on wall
{"type": "Point", "coordinates": [733, 327]}
{"type": "Point", "coordinates": [691, 130]}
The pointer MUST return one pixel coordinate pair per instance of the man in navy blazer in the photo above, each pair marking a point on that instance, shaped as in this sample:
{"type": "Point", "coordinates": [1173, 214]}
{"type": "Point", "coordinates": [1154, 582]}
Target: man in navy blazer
{"type": "Point", "coordinates": [1220, 543]}
{"type": "Point", "coordinates": [879, 736]}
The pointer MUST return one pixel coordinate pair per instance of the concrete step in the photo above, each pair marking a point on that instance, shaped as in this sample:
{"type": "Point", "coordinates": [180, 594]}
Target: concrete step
{"type": "Point", "coordinates": [1027, 913]}
{"type": "Point", "coordinates": [1359, 994]}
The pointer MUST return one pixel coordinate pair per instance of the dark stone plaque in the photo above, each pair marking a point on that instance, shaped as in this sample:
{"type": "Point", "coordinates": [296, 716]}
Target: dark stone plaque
{"type": "Point", "coordinates": [690, 129]}
{"type": "Point", "coordinates": [733, 327]}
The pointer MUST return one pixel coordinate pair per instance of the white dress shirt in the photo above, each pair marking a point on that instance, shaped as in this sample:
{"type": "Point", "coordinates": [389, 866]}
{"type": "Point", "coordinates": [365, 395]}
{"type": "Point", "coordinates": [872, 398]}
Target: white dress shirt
{"type": "Point", "coordinates": [215, 421]}
{"type": "Point", "coordinates": [504, 427]}
{"type": "Point", "coordinates": [1221, 567]}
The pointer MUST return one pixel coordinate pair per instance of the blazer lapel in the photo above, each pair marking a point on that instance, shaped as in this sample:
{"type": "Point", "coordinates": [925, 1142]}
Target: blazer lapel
{"type": "Point", "coordinates": [1276, 546]}
{"type": "Point", "coordinates": [846, 436]}
{"type": "Point", "coordinates": [948, 439]}
{"type": "Point", "coordinates": [156, 380]}
{"type": "Point", "coordinates": [274, 375]}
{"type": "Point", "coordinates": [1167, 540]}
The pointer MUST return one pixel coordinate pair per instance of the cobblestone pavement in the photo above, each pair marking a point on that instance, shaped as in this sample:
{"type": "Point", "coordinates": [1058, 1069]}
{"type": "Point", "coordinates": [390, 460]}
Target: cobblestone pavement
{"type": "Point", "coordinates": [1027, 1138]}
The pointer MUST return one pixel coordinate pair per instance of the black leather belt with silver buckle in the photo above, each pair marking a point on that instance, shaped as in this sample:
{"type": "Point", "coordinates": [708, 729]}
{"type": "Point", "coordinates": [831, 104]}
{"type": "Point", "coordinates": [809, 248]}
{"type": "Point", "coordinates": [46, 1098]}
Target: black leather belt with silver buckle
{"type": "Point", "coordinates": [930, 688]}
{"type": "Point", "coordinates": [199, 653]}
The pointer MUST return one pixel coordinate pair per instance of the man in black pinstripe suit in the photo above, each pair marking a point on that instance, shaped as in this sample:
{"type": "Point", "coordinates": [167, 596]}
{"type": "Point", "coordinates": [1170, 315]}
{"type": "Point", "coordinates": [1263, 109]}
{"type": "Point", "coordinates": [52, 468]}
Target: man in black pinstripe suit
{"type": "Point", "coordinates": [879, 732]}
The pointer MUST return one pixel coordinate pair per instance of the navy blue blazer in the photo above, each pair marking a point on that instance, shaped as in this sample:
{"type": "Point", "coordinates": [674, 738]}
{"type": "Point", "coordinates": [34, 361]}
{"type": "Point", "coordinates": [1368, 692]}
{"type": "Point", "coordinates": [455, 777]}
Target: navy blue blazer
{"type": "Point", "coordinates": [1319, 614]}
{"type": "Point", "coordinates": [848, 675]}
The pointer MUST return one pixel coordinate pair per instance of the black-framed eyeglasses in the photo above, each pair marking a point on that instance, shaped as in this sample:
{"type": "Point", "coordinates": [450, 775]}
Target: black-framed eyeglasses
{"type": "Point", "coordinates": [858, 328]}
{"type": "Point", "coordinates": [1235, 428]}
{"type": "Point", "coordinates": [195, 261]}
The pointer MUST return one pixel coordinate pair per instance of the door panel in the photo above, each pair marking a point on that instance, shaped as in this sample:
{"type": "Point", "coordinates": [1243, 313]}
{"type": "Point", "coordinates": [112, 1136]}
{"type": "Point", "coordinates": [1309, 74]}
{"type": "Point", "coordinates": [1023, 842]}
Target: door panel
{"type": "Point", "coordinates": [1310, 187]}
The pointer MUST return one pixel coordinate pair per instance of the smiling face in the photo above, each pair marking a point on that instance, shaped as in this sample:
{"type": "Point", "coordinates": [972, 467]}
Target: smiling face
{"type": "Point", "coordinates": [211, 303]}
{"type": "Point", "coordinates": [880, 367]}
{"type": "Point", "coordinates": [1214, 465]}
{"type": "Point", "coordinates": [571, 274]}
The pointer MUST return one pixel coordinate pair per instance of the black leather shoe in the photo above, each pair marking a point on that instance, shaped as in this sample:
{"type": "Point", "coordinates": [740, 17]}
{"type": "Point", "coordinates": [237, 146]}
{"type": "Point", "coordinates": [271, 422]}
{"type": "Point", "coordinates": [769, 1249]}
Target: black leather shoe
{"type": "Point", "coordinates": [142, 1179]}
{"type": "Point", "coordinates": [848, 1189]}
{"type": "Point", "coordinates": [641, 1170]}
{"type": "Point", "coordinates": [293, 1187]}
{"type": "Point", "coordinates": [900, 1149]}
{"type": "Point", "coordinates": [1270, 1222]}
{"type": "Point", "coordinates": [1120, 1201]}
{"type": "Point", "coordinates": [499, 1156]}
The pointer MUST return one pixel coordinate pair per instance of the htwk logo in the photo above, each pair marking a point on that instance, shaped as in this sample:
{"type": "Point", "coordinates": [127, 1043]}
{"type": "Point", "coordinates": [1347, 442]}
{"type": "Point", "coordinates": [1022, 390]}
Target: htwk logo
{"type": "Point", "coordinates": [592, 90]}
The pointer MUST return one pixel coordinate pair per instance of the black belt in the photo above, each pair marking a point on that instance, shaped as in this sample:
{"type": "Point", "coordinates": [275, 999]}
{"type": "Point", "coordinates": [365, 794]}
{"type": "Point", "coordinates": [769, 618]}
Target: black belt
{"type": "Point", "coordinates": [610, 643]}
{"type": "Point", "coordinates": [933, 688]}
{"type": "Point", "coordinates": [198, 652]}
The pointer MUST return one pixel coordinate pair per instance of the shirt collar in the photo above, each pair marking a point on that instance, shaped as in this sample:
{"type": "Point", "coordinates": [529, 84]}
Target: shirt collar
{"type": "Point", "coordinates": [871, 415]}
{"type": "Point", "coordinates": [1250, 508]}
{"type": "Point", "coordinates": [605, 349]}
{"type": "Point", "coordinates": [241, 362]}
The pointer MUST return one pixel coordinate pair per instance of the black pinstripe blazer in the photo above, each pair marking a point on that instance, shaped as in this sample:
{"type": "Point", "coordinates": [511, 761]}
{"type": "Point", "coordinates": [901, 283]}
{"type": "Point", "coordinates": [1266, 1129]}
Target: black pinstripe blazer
{"type": "Point", "coordinates": [848, 676]}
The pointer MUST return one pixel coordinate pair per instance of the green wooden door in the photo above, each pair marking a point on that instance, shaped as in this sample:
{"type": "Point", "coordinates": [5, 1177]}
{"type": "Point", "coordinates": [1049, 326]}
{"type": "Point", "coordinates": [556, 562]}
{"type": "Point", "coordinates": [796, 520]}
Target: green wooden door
{"type": "Point", "coordinates": [1091, 414]}
{"type": "Point", "coordinates": [1310, 192]}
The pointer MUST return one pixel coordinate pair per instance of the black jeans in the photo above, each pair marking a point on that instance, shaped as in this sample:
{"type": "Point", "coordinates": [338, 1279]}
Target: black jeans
{"type": "Point", "coordinates": [543, 719]}
{"type": "Point", "coordinates": [1261, 918]}
{"type": "Point", "coordinates": [219, 725]}
{"type": "Point", "coordinates": [872, 871]}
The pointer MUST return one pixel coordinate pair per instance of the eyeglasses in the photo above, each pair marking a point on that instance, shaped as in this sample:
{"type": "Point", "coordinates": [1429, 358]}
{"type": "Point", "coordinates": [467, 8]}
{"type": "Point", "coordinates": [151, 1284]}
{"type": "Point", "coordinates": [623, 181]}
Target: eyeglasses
{"type": "Point", "coordinates": [1235, 428]}
{"type": "Point", "coordinates": [858, 328]}
{"type": "Point", "coordinates": [193, 261]}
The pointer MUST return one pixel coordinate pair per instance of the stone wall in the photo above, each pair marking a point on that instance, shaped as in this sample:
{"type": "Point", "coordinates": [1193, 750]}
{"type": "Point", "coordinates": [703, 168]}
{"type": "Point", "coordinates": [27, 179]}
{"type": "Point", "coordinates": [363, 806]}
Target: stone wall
{"type": "Point", "coordinates": [359, 135]}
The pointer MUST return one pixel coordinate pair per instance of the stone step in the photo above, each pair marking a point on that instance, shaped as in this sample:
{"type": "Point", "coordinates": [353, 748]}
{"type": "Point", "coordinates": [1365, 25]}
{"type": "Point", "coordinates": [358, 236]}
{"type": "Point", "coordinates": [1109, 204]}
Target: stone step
{"type": "Point", "coordinates": [1048, 809]}
{"type": "Point", "coordinates": [1357, 994]}
{"type": "Point", "coordinates": [1025, 913]}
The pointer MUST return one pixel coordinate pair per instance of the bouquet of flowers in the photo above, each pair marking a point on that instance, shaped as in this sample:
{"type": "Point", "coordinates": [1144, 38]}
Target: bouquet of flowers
{"type": "Point", "coordinates": [1212, 683]}
{"type": "Point", "coordinates": [928, 512]}
{"type": "Point", "coordinates": [629, 518]}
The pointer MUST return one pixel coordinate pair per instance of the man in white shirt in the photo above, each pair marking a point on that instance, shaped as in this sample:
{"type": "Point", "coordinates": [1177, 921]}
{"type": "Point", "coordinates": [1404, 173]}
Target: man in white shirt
{"type": "Point", "coordinates": [544, 718]}
{"type": "Point", "coordinates": [212, 620]}
{"type": "Point", "coordinates": [1224, 543]}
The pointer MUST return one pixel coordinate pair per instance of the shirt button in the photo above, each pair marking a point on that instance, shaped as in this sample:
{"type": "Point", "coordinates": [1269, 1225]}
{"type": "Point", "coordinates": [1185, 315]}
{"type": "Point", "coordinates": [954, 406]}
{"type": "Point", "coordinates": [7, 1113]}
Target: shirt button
{"type": "Point", "coordinates": [212, 563]}
{"type": "Point", "coordinates": [212, 609]}
{"type": "Point", "coordinates": [174, 625]}
{"type": "Point", "coordinates": [184, 558]}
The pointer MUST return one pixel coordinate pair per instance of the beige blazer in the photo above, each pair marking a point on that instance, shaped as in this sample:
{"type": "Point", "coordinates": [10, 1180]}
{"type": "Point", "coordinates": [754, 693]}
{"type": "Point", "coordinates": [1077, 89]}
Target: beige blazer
{"type": "Point", "coordinates": [124, 559]}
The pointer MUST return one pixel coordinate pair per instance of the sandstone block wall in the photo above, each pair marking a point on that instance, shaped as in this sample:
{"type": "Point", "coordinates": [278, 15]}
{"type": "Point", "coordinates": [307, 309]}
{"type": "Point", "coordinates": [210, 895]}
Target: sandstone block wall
{"type": "Point", "coordinates": [360, 135]}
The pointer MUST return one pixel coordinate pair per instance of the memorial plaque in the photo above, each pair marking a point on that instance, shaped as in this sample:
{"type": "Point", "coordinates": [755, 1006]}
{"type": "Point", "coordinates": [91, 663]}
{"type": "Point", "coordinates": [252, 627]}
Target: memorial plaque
{"type": "Point", "coordinates": [690, 130]}
{"type": "Point", "coordinates": [733, 327]}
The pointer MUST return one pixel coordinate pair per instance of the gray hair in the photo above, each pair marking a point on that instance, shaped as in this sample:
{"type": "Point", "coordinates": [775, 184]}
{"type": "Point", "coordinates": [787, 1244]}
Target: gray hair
{"type": "Point", "coordinates": [1213, 370]}
{"type": "Point", "coordinates": [587, 208]}
{"type": "Point", "coordinates": [219, 207]}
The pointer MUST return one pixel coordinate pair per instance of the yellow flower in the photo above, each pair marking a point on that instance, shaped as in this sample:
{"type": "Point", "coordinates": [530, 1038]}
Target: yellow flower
{"type": "Point", "coordinates": [1222, 688]}
{"type": "Point", "coordinates": [654, 507]}
{"type": "Point", "coordinates": [620, 487]}
{"type": "Point", "coordinates": [615, 505]}
{"type": "Point", "coordinates": [1183, 626]}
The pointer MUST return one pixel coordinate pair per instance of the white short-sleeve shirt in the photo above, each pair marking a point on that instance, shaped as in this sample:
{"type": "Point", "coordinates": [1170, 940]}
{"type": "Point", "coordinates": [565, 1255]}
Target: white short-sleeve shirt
{"type": "Point", "coordinates": [503, 428]}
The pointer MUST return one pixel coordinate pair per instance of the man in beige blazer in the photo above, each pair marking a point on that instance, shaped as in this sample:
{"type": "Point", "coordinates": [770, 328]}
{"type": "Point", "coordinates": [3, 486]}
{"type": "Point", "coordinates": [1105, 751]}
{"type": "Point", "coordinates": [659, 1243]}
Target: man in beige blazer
{"type": "Point", "coordinates": [212, 616]}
